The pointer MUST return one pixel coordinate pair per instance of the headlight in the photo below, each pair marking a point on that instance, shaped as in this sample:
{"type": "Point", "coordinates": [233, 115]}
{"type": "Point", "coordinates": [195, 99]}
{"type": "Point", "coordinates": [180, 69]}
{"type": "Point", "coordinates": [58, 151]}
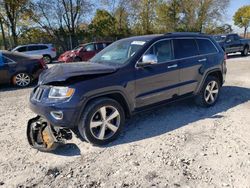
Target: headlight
{"type": "Point", "coordinates": [61, 92]}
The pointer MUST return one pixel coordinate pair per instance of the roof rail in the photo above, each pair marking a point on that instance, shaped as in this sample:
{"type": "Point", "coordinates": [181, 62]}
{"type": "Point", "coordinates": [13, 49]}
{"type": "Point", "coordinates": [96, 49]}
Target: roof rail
{"type": "Point", "coordinates": [190, 33]}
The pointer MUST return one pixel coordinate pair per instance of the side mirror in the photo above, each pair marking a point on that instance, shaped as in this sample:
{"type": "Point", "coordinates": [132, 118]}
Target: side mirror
{"type": "Point", "coordinates": [148, 59]}
{"type": "Point", "coordinates": [228, 40]}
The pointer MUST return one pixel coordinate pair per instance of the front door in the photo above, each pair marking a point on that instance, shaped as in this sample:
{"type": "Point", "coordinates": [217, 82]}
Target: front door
{"type": "Point", "coordinates": [88, 52]}
{"type": "Point", "coordinates": [157, 82]}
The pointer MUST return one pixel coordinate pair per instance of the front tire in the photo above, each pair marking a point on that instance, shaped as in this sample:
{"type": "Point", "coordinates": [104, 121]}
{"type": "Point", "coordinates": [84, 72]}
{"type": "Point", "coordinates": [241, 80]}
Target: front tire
{"type": "Point", "coordinates": [102, 121]}
{"type": "Point", "coordinates": [209, 93]}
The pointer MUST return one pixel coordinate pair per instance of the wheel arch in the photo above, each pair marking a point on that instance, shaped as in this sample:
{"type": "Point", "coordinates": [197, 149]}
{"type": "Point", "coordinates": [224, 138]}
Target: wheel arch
{"type": "Point", "coordinates": [216, 72]}
{"type": "Point", "coordinates": [118, 96]}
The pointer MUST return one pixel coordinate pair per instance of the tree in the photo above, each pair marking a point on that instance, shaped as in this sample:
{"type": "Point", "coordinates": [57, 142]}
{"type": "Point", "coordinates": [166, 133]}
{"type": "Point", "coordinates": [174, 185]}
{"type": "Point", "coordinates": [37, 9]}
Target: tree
{"type": "Point", "coordinates": [11, 12]}
{"type": "Point", "coordinates": [198, 14]}
{"type": "Point", "coordinates": [3, 33]}
{"type": "Point", "coordinates": [168, 16]}
{"type": "Point", "coordinates": [242, 18]}
{"type": "Point", "coordinates": [61, 19]}
{"type": "Point", "coordinates": [103, 25]}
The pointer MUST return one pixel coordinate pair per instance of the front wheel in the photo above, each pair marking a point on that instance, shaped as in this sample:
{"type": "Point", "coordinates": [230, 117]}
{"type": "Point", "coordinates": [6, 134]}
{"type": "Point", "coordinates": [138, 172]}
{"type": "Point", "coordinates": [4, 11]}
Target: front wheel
{"type": "Point", "coordinates": [209, 93]}
{"type": "Point", "coordinates": [102, 121]}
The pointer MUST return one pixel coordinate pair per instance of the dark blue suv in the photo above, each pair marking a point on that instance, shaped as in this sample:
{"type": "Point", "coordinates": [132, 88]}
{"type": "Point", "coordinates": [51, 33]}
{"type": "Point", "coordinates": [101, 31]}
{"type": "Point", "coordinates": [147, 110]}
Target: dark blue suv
{"type": "Point", "coordinates": [93, 99]}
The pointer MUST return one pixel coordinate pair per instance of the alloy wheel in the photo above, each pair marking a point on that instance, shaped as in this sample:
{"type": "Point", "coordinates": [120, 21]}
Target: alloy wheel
{"type": "Point", "coordinates": [22, 79]}
{"type": "Point", "coordinates": [211, 92]}
{"type": "Point", "coordinates": [105, 122]}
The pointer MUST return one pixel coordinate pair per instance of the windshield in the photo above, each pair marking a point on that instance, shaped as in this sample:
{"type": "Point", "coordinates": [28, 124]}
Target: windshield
{"type": "Point", "coordinates": [219, 38]}
{"type": "Point", "coordinates": [118, 52]}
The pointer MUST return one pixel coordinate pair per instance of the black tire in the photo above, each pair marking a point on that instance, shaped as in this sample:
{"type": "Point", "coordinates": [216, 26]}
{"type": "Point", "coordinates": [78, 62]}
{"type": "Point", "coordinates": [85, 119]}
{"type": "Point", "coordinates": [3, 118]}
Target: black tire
{"type": "Point", "coordinates": [22, 79]}
{"type": "Point", "coordinates": [47, 59]}
{"type": "Point", "coordinates": [77, 59]}
{"type": "Point", "coordinates": [245, 51]}
{"type": "Point", "coordinates": [201, 97]}
{"type": "Point", "coordinates": [91, 112]}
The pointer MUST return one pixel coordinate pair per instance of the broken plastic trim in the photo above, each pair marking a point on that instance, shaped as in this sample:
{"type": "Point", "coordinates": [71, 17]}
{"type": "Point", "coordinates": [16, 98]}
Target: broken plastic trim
{"type": "Point", "coordinates": [42, 136]}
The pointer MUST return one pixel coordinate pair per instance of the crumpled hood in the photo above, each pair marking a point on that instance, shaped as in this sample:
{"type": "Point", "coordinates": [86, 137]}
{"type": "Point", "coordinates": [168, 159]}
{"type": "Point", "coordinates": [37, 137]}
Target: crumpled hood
{"type": "Point", "coordinates": [62, 72]}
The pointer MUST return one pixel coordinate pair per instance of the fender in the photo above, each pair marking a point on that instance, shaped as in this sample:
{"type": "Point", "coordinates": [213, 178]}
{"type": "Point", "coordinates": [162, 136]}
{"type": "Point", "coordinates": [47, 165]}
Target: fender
{"type": "Point", "coordinates": [104, 92]}
{"type": "Point", "coordinates": [205, 77]}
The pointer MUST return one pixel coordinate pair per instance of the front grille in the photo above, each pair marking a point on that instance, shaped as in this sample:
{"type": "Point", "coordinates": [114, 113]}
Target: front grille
{"type": "Point", "coordinates": [38, 94]}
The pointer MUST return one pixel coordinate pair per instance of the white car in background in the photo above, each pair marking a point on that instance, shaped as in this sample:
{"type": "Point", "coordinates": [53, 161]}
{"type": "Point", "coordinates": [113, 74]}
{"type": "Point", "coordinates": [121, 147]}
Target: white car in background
{"type": "Point", "coordinates": [46, 50]}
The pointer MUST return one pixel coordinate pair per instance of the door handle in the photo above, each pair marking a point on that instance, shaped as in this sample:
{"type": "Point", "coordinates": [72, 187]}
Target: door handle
{"type": "Point", "coordinates": [202, 60]}
{"type": "Point", "coordinates": [172, 66]}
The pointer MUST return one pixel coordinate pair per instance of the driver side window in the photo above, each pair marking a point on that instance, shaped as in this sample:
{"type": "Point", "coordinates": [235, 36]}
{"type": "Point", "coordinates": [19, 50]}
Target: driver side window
{"type": "Point", "coordinates": [162, 50]}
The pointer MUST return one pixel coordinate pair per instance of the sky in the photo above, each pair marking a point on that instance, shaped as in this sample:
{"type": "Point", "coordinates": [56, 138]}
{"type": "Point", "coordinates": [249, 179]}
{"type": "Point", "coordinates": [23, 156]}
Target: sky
{"type": "Point", "coordinates": [233, 7]}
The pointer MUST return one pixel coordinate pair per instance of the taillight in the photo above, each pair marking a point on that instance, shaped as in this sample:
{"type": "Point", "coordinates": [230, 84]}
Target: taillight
{"type": "Point", "coordinates": [53, 49]}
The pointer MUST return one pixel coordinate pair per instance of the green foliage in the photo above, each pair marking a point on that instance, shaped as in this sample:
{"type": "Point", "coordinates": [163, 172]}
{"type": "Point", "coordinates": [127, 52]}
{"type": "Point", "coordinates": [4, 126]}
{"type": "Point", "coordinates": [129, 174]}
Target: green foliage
{"type": "Point", "coordinates": [242, 18]}
{"type": "Point", "coordinates": [103, 25]}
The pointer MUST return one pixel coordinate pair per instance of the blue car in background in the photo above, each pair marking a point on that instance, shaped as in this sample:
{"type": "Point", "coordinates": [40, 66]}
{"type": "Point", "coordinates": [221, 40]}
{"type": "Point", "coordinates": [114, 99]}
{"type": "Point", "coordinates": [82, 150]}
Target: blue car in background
{"type": "Point", "coordinates": [19, 69]}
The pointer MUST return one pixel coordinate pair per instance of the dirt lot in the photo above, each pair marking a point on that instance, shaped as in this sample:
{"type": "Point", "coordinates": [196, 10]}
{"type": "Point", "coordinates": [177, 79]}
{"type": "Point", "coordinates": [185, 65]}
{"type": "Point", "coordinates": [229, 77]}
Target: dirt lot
{"type": "Point", "coordinates": [180, 145]}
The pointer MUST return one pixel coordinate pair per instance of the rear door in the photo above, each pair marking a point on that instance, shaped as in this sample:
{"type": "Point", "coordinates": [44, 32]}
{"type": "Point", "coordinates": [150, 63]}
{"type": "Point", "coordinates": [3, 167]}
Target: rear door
{"type": "Point", "coordinates": [238, 45]}
{"type": "Point", "coordinates": [186, 55]}
{"type": "Point", "coordinates": [230, 44]}
{"type": "Point", "coordinates": [157, 82]}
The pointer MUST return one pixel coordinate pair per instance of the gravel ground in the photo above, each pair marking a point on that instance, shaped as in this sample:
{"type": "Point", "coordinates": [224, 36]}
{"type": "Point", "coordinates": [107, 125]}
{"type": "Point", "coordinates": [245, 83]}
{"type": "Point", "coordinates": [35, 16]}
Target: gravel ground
{"type": "Point", "coordinates": [180, 145]}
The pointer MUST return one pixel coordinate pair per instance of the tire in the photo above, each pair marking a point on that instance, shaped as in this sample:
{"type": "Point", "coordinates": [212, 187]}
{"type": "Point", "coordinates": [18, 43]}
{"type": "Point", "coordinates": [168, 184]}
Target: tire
{"type": "Point", "coordinates": [47, 59]}
{"type": "Point", "coordinates": [209, 93]}
{"type": "Point", "coordinates": [245, 51]}
{"type": "Point", "coordinates": [22, 80]}
{"type": "Point", "coordinates": [97, 129]}
{"type": "Point", "coordinates": [77, 59]}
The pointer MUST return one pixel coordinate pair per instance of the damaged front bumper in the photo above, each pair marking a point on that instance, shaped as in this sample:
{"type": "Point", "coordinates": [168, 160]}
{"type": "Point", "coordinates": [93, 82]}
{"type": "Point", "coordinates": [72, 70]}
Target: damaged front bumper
{"type": "Point", "coordinates": [44, 137]}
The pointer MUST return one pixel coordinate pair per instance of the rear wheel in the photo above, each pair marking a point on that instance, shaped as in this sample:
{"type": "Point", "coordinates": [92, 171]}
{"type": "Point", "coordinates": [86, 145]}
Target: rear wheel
{"type": "Point", "coordinates": [22, 79]}
{"type": "Point", "coordinates": [209, 93]}
{"type": "Point", "coordinates": [47, 59]}
{"type": "Point", "coordinates": [245, 51]}
{"type": "Point", "coordinates": [102, 121]}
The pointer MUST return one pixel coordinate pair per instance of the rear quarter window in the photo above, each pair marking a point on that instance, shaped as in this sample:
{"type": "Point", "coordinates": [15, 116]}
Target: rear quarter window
{"type": "Point", "coordinates": [206, 46]}
{"type": "Point", "coordinates": [184, 48]}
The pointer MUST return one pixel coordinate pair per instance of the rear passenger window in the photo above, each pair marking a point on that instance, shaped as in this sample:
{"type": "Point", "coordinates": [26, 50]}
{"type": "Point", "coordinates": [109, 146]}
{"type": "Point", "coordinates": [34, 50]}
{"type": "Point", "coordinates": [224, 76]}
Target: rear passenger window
{"type": "Point", "coordinates": [206, 46]}
{"type": "Point", "coordinates": [185, 48]}
{"type": "Point", "coordinates": [43, 47]}
{"type": "Point", "coordinates": [99, 46]}
{"type": "Point", "coordinates": [33, 48]}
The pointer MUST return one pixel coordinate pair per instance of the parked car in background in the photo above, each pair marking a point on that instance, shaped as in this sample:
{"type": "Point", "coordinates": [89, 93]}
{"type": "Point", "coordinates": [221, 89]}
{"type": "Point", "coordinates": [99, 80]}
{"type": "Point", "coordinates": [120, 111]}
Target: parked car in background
{"type": "Point", "coordinates": [83, 52]}
{"type": "Point", "coordinates": [46, 50]}
{"type": "Point", "coordinates": [19, 69]}
{"type": "Point", "coordinates": [233, 43]}
{"type": "Point", "coordinates": [129, 76]}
